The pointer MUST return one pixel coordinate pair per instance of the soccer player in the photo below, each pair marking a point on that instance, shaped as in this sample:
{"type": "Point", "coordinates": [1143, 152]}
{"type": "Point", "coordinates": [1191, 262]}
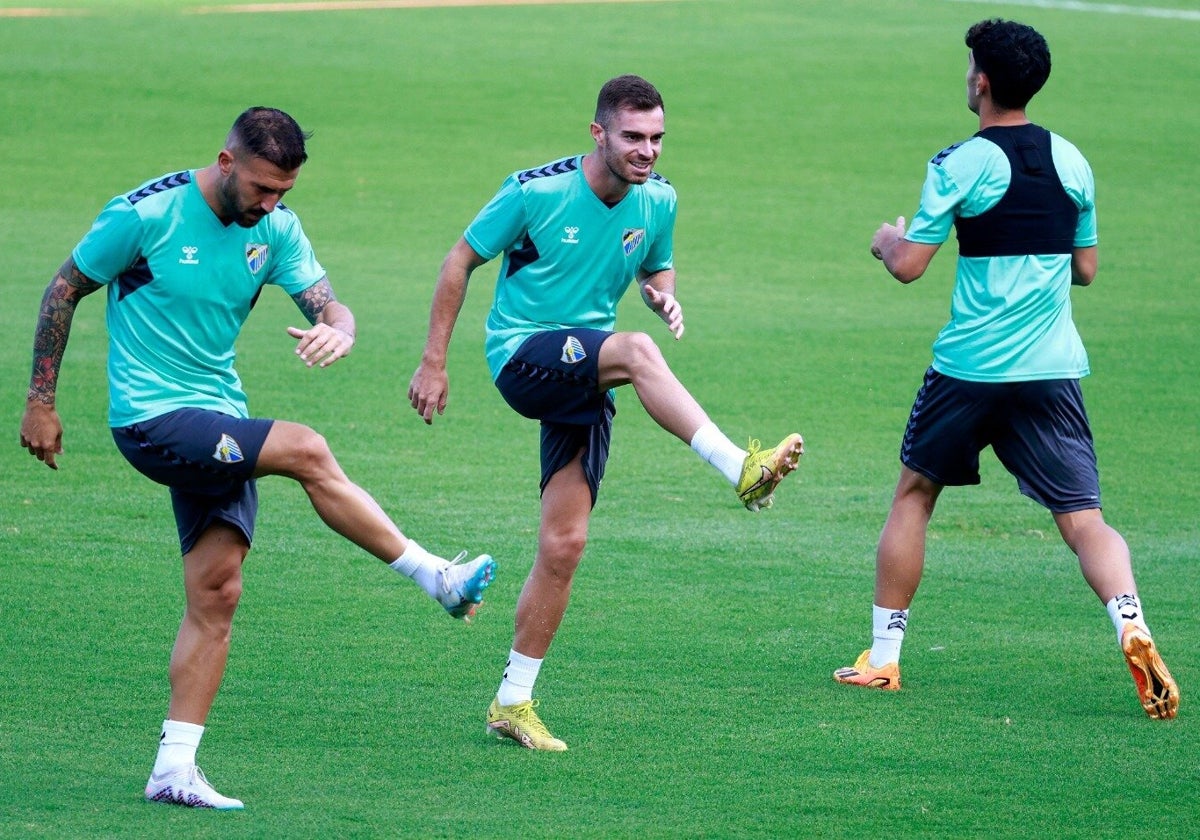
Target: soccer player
{"type": "Point", "coordinates": [184, 257]}
{"type": "Point", "coordinates": [575, 233]}
{"type": "Point", "coordinates": [1006, 369]}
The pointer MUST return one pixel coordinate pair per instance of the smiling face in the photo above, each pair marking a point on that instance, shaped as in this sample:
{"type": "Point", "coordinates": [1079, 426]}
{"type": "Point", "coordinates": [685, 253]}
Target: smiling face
{"type": "Point", "coordinates": [629, 145]}
{"type": "Point", "coordinates": [249, 187]}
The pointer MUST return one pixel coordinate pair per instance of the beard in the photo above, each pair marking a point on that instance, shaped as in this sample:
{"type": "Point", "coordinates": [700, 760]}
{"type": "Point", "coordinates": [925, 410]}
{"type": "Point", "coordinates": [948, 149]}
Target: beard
{"type": "Point", "coordinates": [232, 210]}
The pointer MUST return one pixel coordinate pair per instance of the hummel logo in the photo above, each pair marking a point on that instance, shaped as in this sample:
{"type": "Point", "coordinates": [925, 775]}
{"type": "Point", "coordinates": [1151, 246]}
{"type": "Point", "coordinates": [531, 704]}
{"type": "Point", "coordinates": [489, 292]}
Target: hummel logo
{"type": "Point", "coordinates": [571, 232]}
{"type": "Point", "coordinates": [189, 255]}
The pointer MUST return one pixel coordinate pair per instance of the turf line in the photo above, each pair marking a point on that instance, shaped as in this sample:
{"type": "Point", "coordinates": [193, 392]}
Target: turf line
{"type": "Point", "coordinates": [1104, 8]}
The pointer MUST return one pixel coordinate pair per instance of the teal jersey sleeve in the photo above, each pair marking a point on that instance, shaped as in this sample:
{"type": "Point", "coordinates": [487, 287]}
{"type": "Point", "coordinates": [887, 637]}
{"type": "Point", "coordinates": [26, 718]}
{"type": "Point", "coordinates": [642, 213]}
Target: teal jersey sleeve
{"type": "Point", "coordinates": [113, 243]}
{"type": "Point", "coordinates": [501, 223]}
{"type": "Point", "coordinates": [1080, 184]}
{"type": "Point", "coordinates": [294, 267]}
{"type": "Point", "coordinates": [964, 180]}
{"type": "Point", "coordinates": [661, 254]}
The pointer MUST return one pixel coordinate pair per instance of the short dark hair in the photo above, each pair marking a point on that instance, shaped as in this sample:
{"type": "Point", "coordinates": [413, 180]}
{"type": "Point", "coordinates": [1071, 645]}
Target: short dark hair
{"type": "Point", "coordinates": [632, 92]}
{"type": "Point", "coordinates": [1015, 58]}
{"type": "Point", "coordinates": [270, 134]}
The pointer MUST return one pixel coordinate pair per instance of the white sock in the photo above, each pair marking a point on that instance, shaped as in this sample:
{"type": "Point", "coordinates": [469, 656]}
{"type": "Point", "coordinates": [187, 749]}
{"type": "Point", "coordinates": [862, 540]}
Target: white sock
{"type": "Point", "coordinates": [710, 443]}
{"type": "Point", "coordinates": [177, 745]}
{"type": "Point", "coordinates": [421, 566]}
{"type": "Point", "coordinates": [1126, 609]}
{"type": "Point", "coordinates": [520, 674]}
{"type": "Point", "coordinates": [887, 629]}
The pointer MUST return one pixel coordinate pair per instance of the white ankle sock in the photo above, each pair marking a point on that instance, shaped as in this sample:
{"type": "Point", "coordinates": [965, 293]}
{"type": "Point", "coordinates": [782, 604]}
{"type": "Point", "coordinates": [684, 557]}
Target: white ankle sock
{"type": "Point", "coordinates": [177, 745]}
{"type": "Point", "coordinates": [421, 566]}
{"type": "Point", "coordinates": [887, 630]}
{"type": "Point", "coordinates": [710, 443]}
{"type": "Point", "coordinates": [520, 674]}
{"type": "Point", "coordinates": [1126, 609]}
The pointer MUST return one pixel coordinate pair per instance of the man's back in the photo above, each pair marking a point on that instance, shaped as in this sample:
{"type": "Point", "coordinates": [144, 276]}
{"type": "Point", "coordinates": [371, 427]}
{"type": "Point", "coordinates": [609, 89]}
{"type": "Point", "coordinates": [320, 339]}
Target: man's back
{"type": "Point", "coordinates": [1022, 200]}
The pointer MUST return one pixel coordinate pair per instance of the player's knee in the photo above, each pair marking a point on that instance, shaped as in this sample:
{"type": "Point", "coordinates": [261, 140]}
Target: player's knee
{"type": "Point", "coordinates": [228, 595]}
{"type": "Point", "coordinates": [563, 550]}
{"type": "Point", "coordinates": [311, 456]}
{"type": "Point", "coordinates": [641, 354]}
{"type": "Point", "coordinates": [212, 607]}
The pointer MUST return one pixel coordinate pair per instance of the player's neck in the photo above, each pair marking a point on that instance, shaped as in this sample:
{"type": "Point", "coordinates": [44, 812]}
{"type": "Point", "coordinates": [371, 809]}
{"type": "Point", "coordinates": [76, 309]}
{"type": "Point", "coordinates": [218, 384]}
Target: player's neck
{"type": "Point", "coordinates": [206, 180]}
{"type": "Point", "coordinates": [990, 116]}
{"type": "Point", "coordinates": [608, 187]}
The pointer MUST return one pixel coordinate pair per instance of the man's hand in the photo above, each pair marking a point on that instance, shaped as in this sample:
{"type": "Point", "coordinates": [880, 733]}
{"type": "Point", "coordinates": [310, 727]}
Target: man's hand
{"type": "Point", "coordinates": [886, 238]}
{"type": "Point", "coordinates": [41, 432]}
{"type": "Point", "coordinates": [321, 344]}
{"type": "Point", "coordinates": [667, 307]}
{"type": "Point", "coordinates": [428, 391]}
{"type": "Point", "coordinates": [904, 260]}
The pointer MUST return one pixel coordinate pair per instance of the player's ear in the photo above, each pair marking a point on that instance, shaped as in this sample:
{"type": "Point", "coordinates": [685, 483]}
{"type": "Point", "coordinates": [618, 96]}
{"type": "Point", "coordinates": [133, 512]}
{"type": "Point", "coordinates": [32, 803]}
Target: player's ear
{"type": "Point", "coordinates": [225, 160]}
{"type": "Point", "coordinates": [597, 132]}
{"type": "Point", "coordinates": [982, 84]}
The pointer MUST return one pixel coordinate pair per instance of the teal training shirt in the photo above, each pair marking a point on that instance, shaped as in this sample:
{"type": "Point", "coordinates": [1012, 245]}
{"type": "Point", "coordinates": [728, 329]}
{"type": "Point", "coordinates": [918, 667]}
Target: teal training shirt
{"type": "Point", "coordinates": [1010, 316]}
{"type": "Point", "coordinates": [568, 257]}
{"type": "Point", "coordinates": [180, 287]}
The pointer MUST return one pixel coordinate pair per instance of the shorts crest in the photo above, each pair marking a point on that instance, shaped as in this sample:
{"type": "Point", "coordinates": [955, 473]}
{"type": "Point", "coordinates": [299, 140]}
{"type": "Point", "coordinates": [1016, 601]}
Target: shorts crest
{"type": "Point", "coordinates": [228, 451]}
{"type": "Point", "coordinates": [572, 351]}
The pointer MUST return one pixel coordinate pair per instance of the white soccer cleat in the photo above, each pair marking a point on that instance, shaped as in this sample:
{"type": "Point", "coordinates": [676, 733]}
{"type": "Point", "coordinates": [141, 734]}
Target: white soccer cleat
{"type": "Point", "coordinates": [461, 585]}
{"type": "Point", "coordinates": [187, 786]}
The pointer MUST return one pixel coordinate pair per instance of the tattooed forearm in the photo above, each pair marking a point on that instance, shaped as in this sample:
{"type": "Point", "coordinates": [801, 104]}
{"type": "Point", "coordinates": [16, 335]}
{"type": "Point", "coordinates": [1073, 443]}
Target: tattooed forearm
{"type": "Point", "coordinates": [313, 300]}
{"type": "Point", "coordinates": [63, 294]}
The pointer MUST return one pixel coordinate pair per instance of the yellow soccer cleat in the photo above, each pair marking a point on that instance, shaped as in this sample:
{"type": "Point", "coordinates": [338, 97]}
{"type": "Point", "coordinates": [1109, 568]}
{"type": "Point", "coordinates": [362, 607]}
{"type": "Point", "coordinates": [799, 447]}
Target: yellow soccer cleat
{"type": "Point", "coordinates": [863, 673]}
{"type": "Point", "coordinates": [521, 723]}
{"type": "Point", "coordinates": [763, 469]}
{"type": "Point", "coordinates": [1157, 691]}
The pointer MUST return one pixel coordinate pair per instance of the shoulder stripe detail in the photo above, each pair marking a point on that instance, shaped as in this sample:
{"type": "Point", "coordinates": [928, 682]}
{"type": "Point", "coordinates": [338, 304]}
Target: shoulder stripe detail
{"type": "Point", "coordinates": [654, 176]}
{"type": "Point", "coordinates": [167, 182]}
{"type": "Point", "coordinates": [944, 153]}
{"type": "Point", "coordinates": [559, 167]}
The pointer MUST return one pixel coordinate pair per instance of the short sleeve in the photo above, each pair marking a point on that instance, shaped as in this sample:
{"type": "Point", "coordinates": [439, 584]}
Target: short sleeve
{"type": "Point", "coordinates": [500, 223]}
{"type": "Point", "coordinates": [661, 254]}
{"type": "Point", "coordinates": [113, 243]}
{"type": "Point", "coordinates": [294, 267]}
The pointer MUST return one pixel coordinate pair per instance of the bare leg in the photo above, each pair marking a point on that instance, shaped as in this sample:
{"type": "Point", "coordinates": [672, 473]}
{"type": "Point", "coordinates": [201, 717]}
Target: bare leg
{"type": "Point", "coordinates": [298, 452]}
{"type": "Point", "coordinates": [1102, 552]}
{"type": "Point", "coordinates": [900, 557]}
{"type": "Point", "coordinates": [212, 581]}
{"type": "Point", "coordinates": [562, 535]}
{"type": "Point", "coordinates": [628, 357]}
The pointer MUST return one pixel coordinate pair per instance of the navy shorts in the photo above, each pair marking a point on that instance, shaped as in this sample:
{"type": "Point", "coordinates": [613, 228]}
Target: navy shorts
{"type": "Point", "coordinates": [1039, 430]}
{"type": "Point", "coordinates": [554, 377]}
{"type": "Point", "coordinates": [207, 460]}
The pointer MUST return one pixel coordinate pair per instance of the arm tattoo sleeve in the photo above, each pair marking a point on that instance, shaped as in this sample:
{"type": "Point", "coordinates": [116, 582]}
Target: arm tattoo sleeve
{"type": "Point", "coordinates": [313, 300]}
{"type": "Point", "coordinates": [68, 287]}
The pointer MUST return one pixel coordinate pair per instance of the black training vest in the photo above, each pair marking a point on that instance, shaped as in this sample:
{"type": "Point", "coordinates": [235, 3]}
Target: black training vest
{"type": "Point", "coordinates": [1035, 216]}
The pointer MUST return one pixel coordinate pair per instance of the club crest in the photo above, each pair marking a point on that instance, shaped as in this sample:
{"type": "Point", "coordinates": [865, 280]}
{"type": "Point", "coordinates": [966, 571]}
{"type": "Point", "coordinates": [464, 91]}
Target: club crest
{"type": "Point", "coordinates": [631, 239]}
{"type": "Point", "coordinates": [256, 256]}
{"type": "Point", "coordinates": [228, 451]}
{"type": "Point", "coordinates": [573, 352]}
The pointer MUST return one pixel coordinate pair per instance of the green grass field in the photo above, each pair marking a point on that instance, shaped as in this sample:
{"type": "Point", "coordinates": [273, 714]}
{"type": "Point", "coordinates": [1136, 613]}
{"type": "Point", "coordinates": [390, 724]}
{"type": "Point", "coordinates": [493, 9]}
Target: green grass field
{"type": "Point", "coordinates": [692, 675]}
